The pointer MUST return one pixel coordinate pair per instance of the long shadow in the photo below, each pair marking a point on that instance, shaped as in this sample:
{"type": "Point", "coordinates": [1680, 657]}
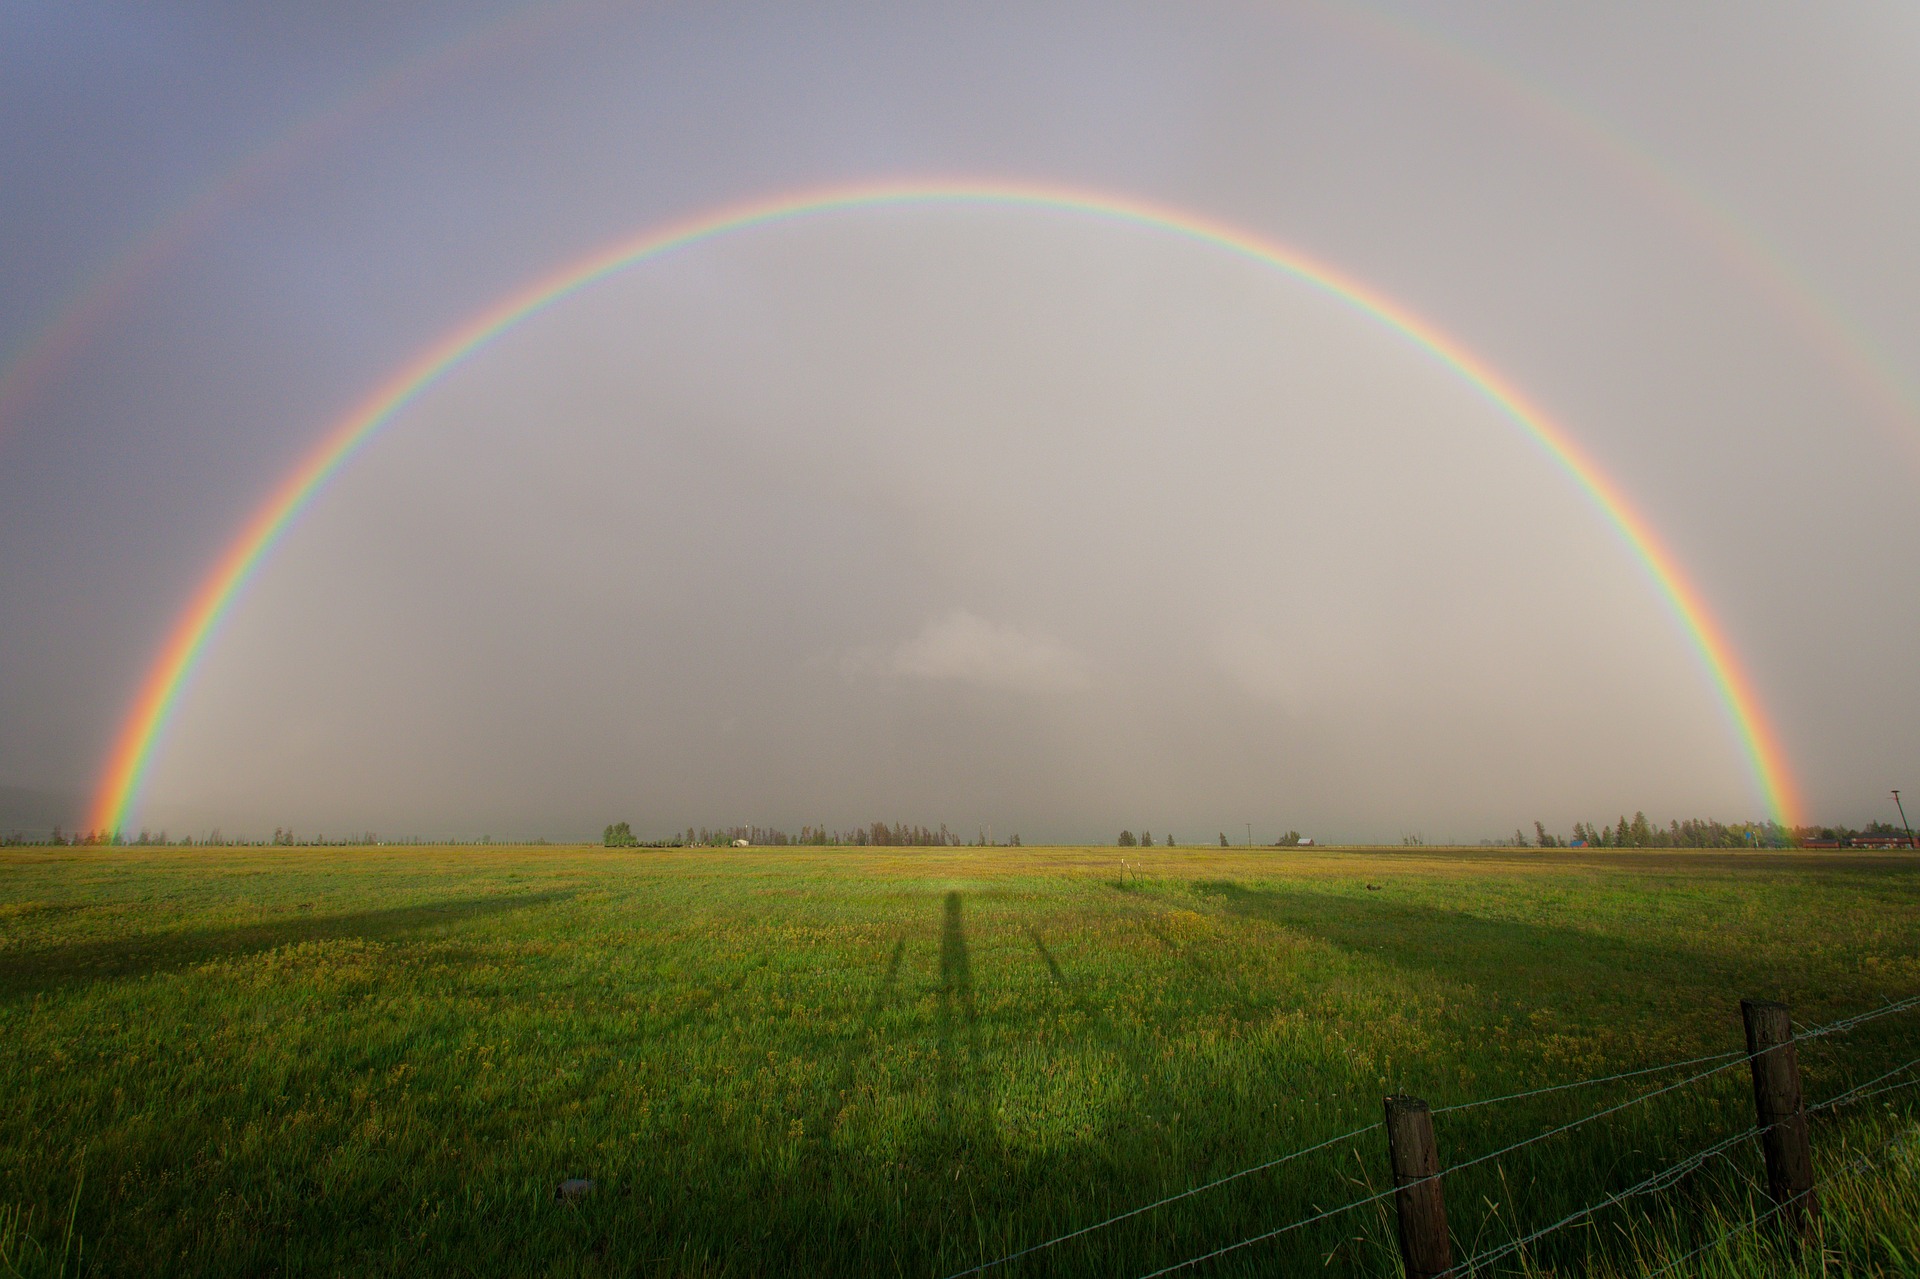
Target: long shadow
{"type": "Point", "coordinates": [29, 972]}
{"type": "Point", "coordinates": [854, 1048]}
{"type": "Point", "coordinates": [1193, 956]}
{"type": "Point", "coordinates": [1046, 957]}
{"type": "Point", "coordinates": [1524, 962]}
{"type": "Point", "coordinates": [889, 983]}
{"type": "Point", "coordinates": [955, 1020]}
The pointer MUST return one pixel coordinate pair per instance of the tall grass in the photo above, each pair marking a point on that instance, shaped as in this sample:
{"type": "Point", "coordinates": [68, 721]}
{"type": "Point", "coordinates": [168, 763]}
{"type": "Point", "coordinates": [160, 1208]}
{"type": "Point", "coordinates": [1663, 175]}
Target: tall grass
{"type": "Point", "coordinates": [1867, 1222]}
{"type": "Point", "coordinates": [23, 1254]}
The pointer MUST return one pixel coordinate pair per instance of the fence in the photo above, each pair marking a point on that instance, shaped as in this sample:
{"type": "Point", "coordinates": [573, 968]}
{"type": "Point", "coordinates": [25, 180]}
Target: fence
{"type": "Point", "coordinates": [1780, 1124]}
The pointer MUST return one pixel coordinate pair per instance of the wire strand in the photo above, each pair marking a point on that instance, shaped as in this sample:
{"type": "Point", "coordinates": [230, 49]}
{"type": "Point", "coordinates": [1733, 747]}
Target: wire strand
{"type": "Point", "coordinates": [1586, 1083]}
{"type": "Point", "coordinates": [1872, 1014]}
{"type": "Point", "coordinates": [1722, 1061]}
{"type": "Point", "coordinates": [1274, 1234]}
{"type": "Point", "coordinates": [1816, 1032]}
{"type": "Point", "coordinates": [1647, 1185]}
{"type": "Point", "coordinates": [1161, 1203]}
{"type": "Point", "coordinates": [1478, 1159]}
{"type": "Point", "coordinates": [1661, 1180]}
{"type": "Point", "coordinates": [1865, 1161]}
{"type": "Point", "coordinates": [1860, 1093]}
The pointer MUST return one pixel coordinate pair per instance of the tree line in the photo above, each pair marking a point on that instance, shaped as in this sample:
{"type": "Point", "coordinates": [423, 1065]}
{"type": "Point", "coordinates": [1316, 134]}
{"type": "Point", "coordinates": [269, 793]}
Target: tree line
{"type": "Point", "coordinates": [282, 837]}
{"type": "Point", "coordinates": [1634, 832]}
{"type": "Point", "coordinates": [872, 835]}
{"type": "Point", "coordinates": [1698, 832]}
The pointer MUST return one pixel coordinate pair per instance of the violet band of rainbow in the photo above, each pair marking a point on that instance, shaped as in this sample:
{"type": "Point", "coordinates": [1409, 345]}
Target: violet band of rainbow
{"type": "Point", "coordinates": [146, 721]}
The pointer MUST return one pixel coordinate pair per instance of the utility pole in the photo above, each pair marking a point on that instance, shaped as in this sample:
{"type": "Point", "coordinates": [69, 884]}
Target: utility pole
{"type": "Point", "coordinates": [1249, 834]}
{"type": "Point", "coordinates": [1903, 817]}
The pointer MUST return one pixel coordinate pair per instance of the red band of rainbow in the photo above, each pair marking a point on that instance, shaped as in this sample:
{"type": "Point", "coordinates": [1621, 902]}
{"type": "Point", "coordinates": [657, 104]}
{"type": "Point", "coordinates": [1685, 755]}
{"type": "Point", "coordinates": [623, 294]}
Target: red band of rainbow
{"type": "Point", "coordinates": [146, 722]}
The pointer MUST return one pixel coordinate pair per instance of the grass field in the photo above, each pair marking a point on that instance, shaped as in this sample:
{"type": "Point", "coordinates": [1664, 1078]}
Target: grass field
{"type": "Point", "coordinates": [382, 1061]}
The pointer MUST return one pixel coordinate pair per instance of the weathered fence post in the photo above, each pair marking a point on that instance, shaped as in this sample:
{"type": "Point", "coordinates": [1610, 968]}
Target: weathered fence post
{"type": "Point", "coordinates": [1416, 1178]}
{"type": "Point", "coordinates": [1779, 1110]}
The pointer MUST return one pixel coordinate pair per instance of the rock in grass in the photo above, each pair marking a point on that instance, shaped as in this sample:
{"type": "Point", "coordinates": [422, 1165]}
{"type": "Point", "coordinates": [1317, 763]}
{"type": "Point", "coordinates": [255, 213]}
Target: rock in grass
{"type": "Point", "coordinates": [573, 1188]}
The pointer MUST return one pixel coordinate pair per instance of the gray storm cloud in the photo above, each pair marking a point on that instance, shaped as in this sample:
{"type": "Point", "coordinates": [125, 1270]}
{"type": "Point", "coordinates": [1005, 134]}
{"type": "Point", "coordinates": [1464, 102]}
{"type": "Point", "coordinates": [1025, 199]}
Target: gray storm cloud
{"type": "Point", "coordinates": [963, 648]}
{"type": "Point", "coordinates": [964, 514]}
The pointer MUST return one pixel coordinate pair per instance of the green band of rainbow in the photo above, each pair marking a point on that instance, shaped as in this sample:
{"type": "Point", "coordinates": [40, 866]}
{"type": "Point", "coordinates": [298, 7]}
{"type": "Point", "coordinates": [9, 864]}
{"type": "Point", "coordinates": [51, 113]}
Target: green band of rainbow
{"type": "Point", "coordinates": [146, 722]}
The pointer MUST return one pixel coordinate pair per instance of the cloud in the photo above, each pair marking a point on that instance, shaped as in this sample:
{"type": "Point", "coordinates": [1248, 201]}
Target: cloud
{"type": "Point", "coordinates": [1258, 665]}
{"type": "Point", "coordinates": [963, 648]}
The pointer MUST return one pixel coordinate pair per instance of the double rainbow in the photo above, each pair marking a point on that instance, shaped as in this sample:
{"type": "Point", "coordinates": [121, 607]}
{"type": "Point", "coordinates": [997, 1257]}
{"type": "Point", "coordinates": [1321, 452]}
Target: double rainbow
{"type": "Point", "coordinates": [146, 723]}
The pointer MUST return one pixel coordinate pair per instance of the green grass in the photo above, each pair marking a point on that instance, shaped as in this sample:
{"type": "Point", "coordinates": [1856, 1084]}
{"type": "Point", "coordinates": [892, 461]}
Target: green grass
{"type": "Point", "coordinates": [382, 1061]}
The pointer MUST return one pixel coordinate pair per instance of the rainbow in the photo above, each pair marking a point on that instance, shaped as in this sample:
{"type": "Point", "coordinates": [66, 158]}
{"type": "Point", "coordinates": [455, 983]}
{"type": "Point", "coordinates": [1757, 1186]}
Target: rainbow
{"type": "Point", "coordinates": [1870, 375]}
{"type": "Point", "coordinates": [110, 288]}
{"type": "Point", "coordinates": [145, 724]}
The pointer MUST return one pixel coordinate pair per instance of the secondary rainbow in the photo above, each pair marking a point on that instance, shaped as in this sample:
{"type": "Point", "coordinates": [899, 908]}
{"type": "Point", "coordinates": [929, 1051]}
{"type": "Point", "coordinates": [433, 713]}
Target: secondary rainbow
{"type": "Point", "coordinates": [146, 722]}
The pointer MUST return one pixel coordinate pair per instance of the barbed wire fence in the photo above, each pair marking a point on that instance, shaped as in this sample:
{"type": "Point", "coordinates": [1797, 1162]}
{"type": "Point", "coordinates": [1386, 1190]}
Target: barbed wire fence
{"type": "Point", "coordinates": [1901, 1076]}
{"type": "Point", "coordinates": [1672, 1174]}
{"type": "Point", "coordinates": [1740, 1227]}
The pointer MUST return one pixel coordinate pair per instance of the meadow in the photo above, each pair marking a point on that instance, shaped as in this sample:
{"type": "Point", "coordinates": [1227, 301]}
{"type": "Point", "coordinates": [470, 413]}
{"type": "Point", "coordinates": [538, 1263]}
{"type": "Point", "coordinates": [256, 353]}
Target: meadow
{"type": "Point", "coordinates": [806, 1061]}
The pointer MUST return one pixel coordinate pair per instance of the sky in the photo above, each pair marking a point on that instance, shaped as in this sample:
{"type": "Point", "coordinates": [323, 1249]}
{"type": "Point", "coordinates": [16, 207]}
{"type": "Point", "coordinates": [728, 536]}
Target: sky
{"type": "Point", "coordinates": [1005, 517]}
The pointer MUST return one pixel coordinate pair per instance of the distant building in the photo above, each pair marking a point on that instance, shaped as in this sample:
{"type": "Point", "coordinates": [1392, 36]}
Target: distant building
{"type": "Point", "coordinates": [1306, 841]}
{"type": "Point", "coordinates": [741, 843]}
{"type": "Point", "coordinates": [1881, 841]}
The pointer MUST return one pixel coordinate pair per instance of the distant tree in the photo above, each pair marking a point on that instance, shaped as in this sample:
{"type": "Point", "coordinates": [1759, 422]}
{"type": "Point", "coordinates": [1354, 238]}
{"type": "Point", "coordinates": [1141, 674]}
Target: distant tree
{"type": "Point", "coordinates": [1546, 840]}
{"type": "Point", "coordinates": [1223, 839]}
{"type": "Point", "coordinates": [620, 835]}
{"type": "Point", "coordinates": [1014, 842]}
{"type": "Point", "coordinates": [1146, 839]}
{"type": "Point", "coordinates": [1126, 839]}
{"type": "Point", "coordinates": [1642, 831]}
{"type": "Point", "coordinates": [1168, 841]}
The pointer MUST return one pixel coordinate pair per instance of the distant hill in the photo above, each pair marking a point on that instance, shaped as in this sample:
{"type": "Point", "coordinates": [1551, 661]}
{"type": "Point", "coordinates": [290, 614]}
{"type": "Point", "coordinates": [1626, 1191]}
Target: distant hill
{"type": "Point", "coordinates": [33, 813]}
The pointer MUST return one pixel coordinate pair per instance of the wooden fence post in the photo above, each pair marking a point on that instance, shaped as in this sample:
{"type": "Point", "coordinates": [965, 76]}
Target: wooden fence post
{"type": "Point", "coordinates": [1424, 1246]}
{"type": "Point", "coordinates": [1779, 1109]}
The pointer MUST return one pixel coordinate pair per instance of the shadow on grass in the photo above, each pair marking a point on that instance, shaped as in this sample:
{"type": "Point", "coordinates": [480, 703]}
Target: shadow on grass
{"type": "Point", "coordinates": [1046, 957]}
{"type": "Point", "coordinates": [954, 1022]}
{"type": "Point", "coordinates": [1530, 963]}
{"type": "Point", "coordinates": [29, 972]}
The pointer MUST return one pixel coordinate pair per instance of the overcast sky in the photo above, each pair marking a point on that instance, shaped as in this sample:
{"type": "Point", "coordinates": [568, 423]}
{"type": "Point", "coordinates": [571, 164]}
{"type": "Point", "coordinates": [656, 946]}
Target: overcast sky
{"type": "Point", "coordinates": [977, 516]}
